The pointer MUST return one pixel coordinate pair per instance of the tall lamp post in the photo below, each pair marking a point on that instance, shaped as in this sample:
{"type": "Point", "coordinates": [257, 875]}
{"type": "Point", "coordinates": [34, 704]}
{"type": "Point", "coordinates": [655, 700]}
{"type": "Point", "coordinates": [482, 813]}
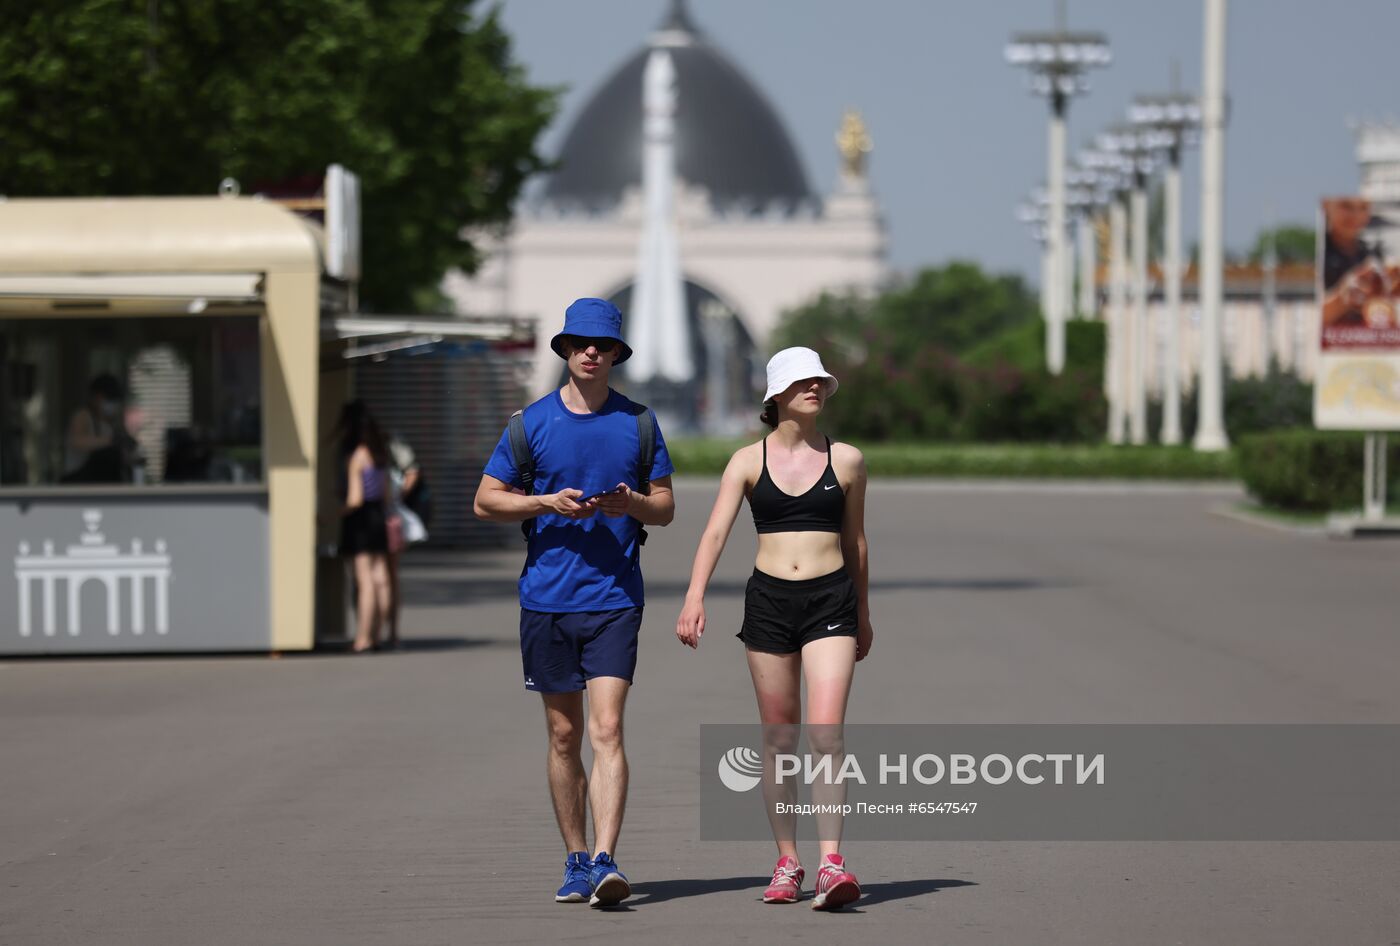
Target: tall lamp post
{"type": "Point", "coordinates": [1139, 150]}
{"type": "Point", "coordinates": [1086, 201]}
{"type": "Point", "coordinates": [1114, 180]}
{"type": "Point", "coordinates": [1057, 61]}
{"type": "Point", "coordinates": [1210, 424]}
{"type": "Point", "coordinates": [1177, 117]}
{"type": "Point", "coordinates": [1032, 212]}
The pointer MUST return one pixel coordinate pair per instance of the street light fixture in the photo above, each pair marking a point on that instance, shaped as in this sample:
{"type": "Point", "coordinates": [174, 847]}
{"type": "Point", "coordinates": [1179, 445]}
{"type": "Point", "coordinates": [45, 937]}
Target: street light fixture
{"type": "Point", "coordinates": [1057, 61]}
{"type": "Point", "coordinates": [1177, 117]}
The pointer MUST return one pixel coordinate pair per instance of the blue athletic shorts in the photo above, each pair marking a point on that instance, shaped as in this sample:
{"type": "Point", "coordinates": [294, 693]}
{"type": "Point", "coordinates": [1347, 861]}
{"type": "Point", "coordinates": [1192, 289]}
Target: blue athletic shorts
{"type": "Point", "coordinates": [561, 652]}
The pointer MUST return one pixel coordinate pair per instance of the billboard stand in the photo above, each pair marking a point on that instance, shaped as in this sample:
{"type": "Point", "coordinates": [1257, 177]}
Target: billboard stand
{"type": "Point", "coordinates": [1357, 384]}
{"type": "Point", "coordinates": [1373, 522]}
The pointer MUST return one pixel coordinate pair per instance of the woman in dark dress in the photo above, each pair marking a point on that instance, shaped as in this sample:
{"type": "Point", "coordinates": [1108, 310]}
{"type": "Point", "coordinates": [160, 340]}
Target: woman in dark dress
{"type": "Point", "coordinates": [363, 532]}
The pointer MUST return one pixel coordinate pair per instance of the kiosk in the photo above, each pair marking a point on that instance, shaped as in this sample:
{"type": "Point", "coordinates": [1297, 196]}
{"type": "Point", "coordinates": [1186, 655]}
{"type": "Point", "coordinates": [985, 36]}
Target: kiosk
{"type": "Point", "coordinates": [162, 413]}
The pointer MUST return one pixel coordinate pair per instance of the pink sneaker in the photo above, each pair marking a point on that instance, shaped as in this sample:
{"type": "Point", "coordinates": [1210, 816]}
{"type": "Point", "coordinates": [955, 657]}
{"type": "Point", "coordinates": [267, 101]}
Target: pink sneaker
{"type": "Point", "coordinates": [836, 886]}
{"type": "Point", "coordinates": [787, 882]}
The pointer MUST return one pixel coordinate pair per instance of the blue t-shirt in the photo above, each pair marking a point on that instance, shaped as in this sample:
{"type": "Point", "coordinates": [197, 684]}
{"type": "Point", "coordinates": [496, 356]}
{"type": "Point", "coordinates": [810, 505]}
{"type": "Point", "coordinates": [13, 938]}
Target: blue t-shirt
{"type": "Point", "coordinates": [588, 564]}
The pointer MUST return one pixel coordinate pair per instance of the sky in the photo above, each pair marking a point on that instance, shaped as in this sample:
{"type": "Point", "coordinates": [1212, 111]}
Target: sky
{"type": "Point", "coordinates": [959, 139]}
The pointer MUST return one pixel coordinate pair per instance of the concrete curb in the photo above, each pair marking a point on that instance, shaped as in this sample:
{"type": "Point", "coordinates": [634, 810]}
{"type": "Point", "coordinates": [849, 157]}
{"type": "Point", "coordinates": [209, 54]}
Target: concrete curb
{"type": "Point", "coordinates": [1236, 514]}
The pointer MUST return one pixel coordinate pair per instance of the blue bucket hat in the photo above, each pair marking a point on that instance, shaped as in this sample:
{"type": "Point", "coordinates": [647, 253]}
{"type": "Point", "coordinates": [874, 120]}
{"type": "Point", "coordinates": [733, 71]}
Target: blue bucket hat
{"type": "Point", "coordinates": [592, 318]}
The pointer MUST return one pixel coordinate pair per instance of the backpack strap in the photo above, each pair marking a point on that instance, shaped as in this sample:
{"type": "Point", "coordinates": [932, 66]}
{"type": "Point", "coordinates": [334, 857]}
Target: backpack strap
{"type": "Point", "coordinates": [524, 463]}
{"type": "Point", "coordinates": [646, 456]}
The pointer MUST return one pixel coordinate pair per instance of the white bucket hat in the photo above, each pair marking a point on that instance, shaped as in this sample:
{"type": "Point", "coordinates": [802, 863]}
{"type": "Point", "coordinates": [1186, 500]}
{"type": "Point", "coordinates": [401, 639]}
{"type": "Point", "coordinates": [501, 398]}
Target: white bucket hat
{"type": "Point", "coordinates": [796, 364]}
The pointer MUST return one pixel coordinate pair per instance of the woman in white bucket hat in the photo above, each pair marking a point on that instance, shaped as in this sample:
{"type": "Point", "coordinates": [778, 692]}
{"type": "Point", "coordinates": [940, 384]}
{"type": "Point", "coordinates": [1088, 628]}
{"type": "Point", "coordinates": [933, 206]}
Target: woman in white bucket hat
{"type": "Point", "coordinates": [806, 607]}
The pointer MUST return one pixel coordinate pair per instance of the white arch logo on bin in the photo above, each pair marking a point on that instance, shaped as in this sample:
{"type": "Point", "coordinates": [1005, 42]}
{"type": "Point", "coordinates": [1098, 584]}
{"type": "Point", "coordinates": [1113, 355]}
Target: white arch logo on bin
{"type": "Point", "coordinates": [93, 559]}
{"type": "Point", "coordinates": [740, 769]}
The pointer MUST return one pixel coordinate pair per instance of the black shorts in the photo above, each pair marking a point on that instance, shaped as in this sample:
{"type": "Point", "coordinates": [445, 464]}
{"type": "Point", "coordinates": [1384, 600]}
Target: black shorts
{"type": "Point", "coordinates": [780, 615]}
{"type": "Point", "coordinates": [364, 530]}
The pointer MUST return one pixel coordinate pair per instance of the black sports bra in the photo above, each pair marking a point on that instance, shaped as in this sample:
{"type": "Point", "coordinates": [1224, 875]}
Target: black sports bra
{"type": "Point", "coordinates": [820, 509]}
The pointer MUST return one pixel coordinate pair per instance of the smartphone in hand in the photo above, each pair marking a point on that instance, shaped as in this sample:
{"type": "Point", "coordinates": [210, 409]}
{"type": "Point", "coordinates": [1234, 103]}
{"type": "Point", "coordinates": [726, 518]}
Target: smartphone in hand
{"type": "Point", "coordinates": [606, 492]}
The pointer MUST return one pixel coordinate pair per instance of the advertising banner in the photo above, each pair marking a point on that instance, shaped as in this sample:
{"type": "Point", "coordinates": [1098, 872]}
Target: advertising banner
{"type": "Point", "coordinates": [1358, 366]}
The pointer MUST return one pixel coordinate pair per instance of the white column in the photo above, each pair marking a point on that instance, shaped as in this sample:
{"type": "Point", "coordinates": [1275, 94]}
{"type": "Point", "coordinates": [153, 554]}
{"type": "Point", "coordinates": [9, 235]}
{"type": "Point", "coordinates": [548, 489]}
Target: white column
{"type": "Point", "coordinates": [75, 614]}
{"type": "Point", "coordinates": [1088, 266]}
{"type": "Point", "coordinates": [1171, 380]}
{"type": "Point", "coordinates": [1055, 316]}
{"type": "Point", "coordinates": [1117, 321]}
{"type": "Point", "coordinates": [1210, 427]}
{"type": "Point", "coordinates": [24, 610]}
{"type": "Point", "coordinates": [138, 603]}
{"type": "Point", "coordinates": [1138, 333]}
{"type": "Point", "coordinates": [162, 602]}
{"type": "Point", "coordinates": [113, 617]}
{"type": "Point", "coordinates": [50, 608]}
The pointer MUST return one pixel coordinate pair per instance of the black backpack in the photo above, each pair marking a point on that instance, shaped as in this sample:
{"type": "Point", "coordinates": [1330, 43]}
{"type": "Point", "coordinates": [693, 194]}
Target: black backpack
{"type": "Point", "coordinates": [525, 460]}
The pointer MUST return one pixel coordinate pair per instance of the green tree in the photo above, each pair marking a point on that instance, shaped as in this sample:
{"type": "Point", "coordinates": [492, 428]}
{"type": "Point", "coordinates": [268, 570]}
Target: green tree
{"type": "Point", "coordinates": [1292, 244]}
{"type": "Point", "coordinates": [950, 307]}
{"type": "Point", "coordinates": [421, 98]}
{"type": "Point", "coordinates": [952, 354]}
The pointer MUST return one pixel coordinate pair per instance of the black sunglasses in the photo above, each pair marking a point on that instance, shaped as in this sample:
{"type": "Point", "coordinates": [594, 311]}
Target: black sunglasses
{"type": "Point", "coordinates": [582, 343]}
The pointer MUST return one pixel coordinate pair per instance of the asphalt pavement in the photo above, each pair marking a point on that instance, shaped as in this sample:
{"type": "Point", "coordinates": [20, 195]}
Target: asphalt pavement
{"type": "Point", "coordinates": [400, 797]}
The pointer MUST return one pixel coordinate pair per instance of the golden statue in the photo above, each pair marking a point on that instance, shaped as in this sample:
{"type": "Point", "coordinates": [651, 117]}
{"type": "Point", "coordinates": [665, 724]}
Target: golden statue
{"type": "Point", "coordinates": [854, 142]}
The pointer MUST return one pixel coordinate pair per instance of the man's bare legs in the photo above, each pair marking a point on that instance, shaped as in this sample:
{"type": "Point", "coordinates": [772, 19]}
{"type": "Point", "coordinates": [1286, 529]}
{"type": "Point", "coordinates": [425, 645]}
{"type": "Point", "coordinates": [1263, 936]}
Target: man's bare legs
{"type": "Point", "coordinates": [607, 792]}
{"type": "Point", "coordinates": [568, 785]}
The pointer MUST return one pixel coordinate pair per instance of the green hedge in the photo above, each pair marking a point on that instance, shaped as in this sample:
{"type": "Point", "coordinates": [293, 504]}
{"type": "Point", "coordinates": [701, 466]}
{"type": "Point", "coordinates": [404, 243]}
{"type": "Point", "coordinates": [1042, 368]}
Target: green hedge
{"type": "Point", "coordinates": [1028, 461]}
{"type": "Point", "coordinates": [1312, 470]}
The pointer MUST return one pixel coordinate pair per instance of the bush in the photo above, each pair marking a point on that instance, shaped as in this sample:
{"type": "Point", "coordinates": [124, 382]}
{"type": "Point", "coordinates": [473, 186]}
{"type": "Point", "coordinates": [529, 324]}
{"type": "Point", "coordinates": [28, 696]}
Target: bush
{"type": "Point", "coordinates": [952, 354]}
{"type": "Point", "coordinates": [1307, 470]}
{"type": "Point", "coordinates": [1002, 460]}
{"type": "Point", "coordinates": [1280, 400]}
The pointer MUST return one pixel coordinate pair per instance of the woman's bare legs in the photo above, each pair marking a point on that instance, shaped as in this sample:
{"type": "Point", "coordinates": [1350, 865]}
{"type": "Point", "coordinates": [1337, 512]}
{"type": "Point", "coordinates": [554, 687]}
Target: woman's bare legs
{"type": "Point", "coordinates": [777, 682]}
{"type": "Point", "coordinates": [828, 663]}
{"type": "Point", "coordinates": [383, 594]}
{"type": "Point", "coordinates": [366, 602]}
{"type": "Point", "coordinates": [372, 583]}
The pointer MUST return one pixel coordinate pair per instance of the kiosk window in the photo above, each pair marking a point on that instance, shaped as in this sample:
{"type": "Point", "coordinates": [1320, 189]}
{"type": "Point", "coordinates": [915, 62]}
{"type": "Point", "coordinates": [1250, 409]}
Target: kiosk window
{"type": "Point", "coordinates": [140, 400]}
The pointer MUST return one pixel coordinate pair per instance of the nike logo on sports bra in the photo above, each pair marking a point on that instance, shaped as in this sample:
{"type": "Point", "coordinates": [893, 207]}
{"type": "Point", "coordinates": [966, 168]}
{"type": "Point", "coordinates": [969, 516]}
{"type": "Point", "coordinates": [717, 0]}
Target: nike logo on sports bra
{"type": "Point", "coordinates": [833, 486]}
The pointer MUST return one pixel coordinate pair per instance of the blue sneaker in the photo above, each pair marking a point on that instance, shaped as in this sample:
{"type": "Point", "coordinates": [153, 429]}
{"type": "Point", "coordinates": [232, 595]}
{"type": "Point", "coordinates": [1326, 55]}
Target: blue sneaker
{"type": "Point", "coordinates": [610, 886]}
{"type": "Point", "coordinates": [576, 887]}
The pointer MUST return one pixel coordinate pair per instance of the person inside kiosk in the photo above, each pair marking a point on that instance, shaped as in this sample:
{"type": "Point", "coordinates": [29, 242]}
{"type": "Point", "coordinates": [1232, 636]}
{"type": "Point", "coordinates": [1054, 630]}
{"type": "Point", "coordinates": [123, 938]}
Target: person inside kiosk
{"type": "Point", "coordinates": [141, 401]}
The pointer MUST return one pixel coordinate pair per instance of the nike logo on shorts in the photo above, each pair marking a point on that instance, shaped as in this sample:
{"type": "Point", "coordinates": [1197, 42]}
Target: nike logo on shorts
{"type": "Point", "coordinates": [832, 627]}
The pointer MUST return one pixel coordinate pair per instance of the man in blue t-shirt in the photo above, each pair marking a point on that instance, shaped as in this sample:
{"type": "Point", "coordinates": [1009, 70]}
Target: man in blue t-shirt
{"type": "Point", "coordinates": [581, 587]}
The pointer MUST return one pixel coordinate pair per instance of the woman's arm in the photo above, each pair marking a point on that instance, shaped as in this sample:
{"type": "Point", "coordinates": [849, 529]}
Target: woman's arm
{"type": "Point", "coordinates": [82, 432]}
{"type": "Point", "coordinates": [732, 484]}
{"type": "Point", "coordinates": [355, 484]}
{"type": "Point", "coordinates": [853, 547]}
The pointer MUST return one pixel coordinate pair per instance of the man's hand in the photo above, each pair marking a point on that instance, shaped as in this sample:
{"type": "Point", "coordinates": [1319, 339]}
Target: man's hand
{"type": "Point", "coordinates": [566, 503]}
{"type": "Point", "coordinates": [618, 503]}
